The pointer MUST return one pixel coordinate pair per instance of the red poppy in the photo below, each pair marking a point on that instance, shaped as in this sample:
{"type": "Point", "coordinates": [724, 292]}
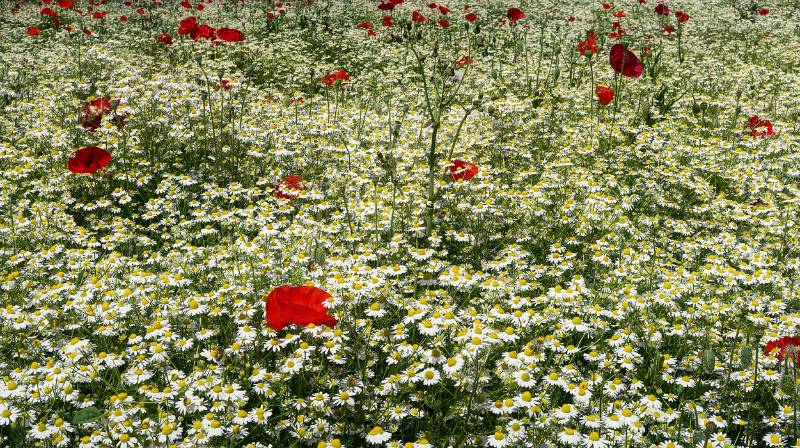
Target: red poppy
{"type": "Point", "coordinates": [619, 14]}
{"type": "Point", "coordinates": [444, 23]}
{"type": "Point", "coordinates": [571, 19]}
{"type": "Point", "coordinates": [186, 25]}
{"type": "Point", "coordinates": [48, 12]}
{"type": "Point", "coordinates": [682, 16]}
{"type": "Point", "coordinates": [443, 10]}
{"type": "Point", "coordinates": [416, 17]}
{"type": "Point", "coordinates": [662, 9]}
{"type": "Point", "coordinates": [330, 79]}
{"type": "Point", "coordinates": [387, 21]}
{"type": "Point", "coordinates": [290, 188]}
{"type": "Point", "coordinates": [763, 11]}
{"type": "Point", "coordinates": [463, 61]}
{"type": "Point", "coordinates": [186, 4]}
{"type": "Point", "coordinates": [624, 61]}
{"type": "Point", "coordinates": [759, 127]}
{"type": "Point", "coordinates": [298, 305]}
{"type": "Point", "coordinates": [164, 38]}
{"type": "Point", "coordinates": [471, 17]}
{"type": "Point", "coordinates": [461, 170]}
{"type": "Point", "coordinates": [66, 4]}
{"type": "Point", "coordinates": [230, 35]}
{"type": "Point", "coordinates": [88, 160]}
{"type": "Point", "coordinates": [203, 32]}
{"type": "Point", "coordinates": [123, 19]}
{"type": "Point", "coordinates": [588, 45]}
{"type": "Point", "coordinates": [606, 6]}
{"type": "Point", "coordinates": [515, 14]}
{"type": "Point", "coordinates": [783, 344]}
{"type": "Point", "coordinates": [33, 31]}
{"type": "Point", "coordinates": [604, 94]}
{"type": "Point", "coordinates": [432, 5]}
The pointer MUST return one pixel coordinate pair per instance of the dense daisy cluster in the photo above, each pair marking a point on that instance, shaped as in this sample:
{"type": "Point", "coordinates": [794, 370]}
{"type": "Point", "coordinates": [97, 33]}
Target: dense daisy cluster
{"type": "Point", "coordinates": [571, 224]}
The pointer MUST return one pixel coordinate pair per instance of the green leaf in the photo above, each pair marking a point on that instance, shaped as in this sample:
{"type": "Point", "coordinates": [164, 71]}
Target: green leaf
{"type": "Point", "coordinates": [86, 415]}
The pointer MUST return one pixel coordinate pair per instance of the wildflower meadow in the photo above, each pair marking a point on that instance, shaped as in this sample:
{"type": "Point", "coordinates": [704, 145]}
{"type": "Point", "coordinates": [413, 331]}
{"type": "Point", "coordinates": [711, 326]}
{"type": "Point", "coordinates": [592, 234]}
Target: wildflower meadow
{"type": "Point", "coordinates": [399, 223]}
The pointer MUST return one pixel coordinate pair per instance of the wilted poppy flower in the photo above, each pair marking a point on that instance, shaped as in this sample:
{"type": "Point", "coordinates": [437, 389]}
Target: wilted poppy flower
{"type": "Point", "coordinates": [164, 38]}
{"type": "Point", "coordinates": [604, 94]}
{"type": "Point", "coordinates": [662, 9]}
{"type": "Point", "coordinates": [471, 17]}
{"type": "Point", "coordinates": [783, 345]}
{"type": "Point", "coordinates": [461, 170]}
{"type": "Point", "coordinates": [33, 31]}
{"type": "Point", "coordinates": [298, 305]}
{"type": "Point", "coordinates": [588, 45]}
{"type": "Point", "coordinates": [290, 188]}
{"type": "Point", "coordinates": [624, 61]}
{"type": "Point", "coordinates": [682, 16]}
{"type": "Point", "coordinates": [515, 14]}
{"type": "Point", "coordinates": [230, 35]}
{"type": "Point", "coordinates": [93, 112]}
{"type": "Point", "coordinates": [759, 127]}
{"type": "Point", "coordinates": [88, 160]}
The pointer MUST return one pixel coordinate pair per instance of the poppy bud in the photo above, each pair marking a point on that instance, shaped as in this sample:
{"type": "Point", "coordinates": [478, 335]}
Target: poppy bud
{"type": "Point", "coordinates": [745, 357]}
{"type": "Point", "coordinates": [709, 360]}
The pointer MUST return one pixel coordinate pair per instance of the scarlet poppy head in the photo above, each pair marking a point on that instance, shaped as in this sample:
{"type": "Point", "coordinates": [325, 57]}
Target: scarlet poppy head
{"type": "Point", "coordinates": [662, 9]}
{"type": "Point", "coordinates": [230, 35]}
{"type": "Point", "coordinates": [682, 16]}
{"type": "Point", "coordinates": [759, 127]}
{"type": "Point", "coordinates": [763, 11]}
{"type": "Point", "coordinates": [33, 31]}
{"type": "Point", "coordinates": [289, 188]}
{"type": "Point", "coordinates": [471, 17]}
{"type": "Point", "coordinates": [515, 14]}
{"type": "Point", "coordinates": [624, 62]}
{"type": "Point", "coordinates": [604, 94]}
{"type": "Point", "coordinates": [297, 305]}
{"type": "Point", "coordinates": [462, 170]}
{"type": "Point", "coordinates": [783, 345]}
{"type": "Point", "coordinates": [88, 160]}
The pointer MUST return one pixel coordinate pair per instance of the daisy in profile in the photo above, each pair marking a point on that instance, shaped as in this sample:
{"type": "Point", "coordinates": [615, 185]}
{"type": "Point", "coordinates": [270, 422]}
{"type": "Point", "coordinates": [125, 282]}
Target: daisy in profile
{"type": "Point", "coordinates": [377, 436]}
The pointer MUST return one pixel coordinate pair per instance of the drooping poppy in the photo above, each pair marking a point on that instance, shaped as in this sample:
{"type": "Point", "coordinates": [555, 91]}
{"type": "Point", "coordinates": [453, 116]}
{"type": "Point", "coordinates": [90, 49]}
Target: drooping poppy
{"type": "Point", "coordinates": [604, 94]}
{"type": "Point", "coordinates": [783, 345]}
{"type": "Point", "coordinates": [624, 61]}
{"type": "Point", "coordinates": [298, 305]}
{"type": "Point", "coordinates": [462, 170]}
{"type": "Point", "coordinates": [230, 35]}
{"type": "Point", "coordinates": [759, 127]}
{"type": "Point", "coordinates": [515, 14]}
{"type": "Point", "coordinates": [289, 188]}
{"type": "Point", "coordinates": [88, 160]}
